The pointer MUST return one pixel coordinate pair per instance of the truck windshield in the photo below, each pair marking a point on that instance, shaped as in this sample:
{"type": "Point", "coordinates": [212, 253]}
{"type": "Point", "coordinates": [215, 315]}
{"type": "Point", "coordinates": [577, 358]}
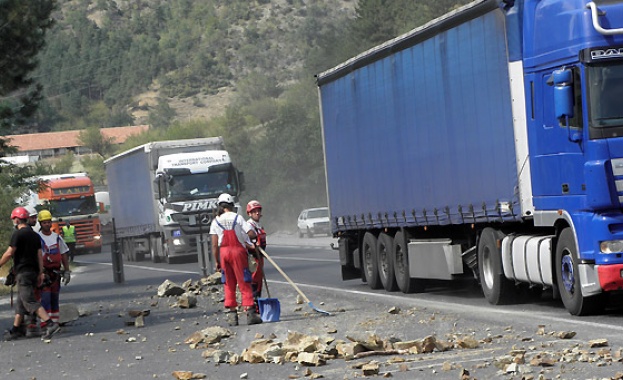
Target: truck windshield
{"type": "Point", "coordinates": [69, 207]}
{"type": "Point", "coordinates": [202, 185]}
{"type": "Point", "coordinates": [606, 95]}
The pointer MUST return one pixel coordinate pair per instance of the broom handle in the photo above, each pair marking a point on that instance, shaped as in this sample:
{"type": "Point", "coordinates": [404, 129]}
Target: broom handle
{"type": "Point", "coordinates": [284, 274]}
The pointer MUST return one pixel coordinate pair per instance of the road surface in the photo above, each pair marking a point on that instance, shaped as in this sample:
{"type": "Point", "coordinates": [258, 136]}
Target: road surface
{"type": "Point", "coordinates": [538, 334]}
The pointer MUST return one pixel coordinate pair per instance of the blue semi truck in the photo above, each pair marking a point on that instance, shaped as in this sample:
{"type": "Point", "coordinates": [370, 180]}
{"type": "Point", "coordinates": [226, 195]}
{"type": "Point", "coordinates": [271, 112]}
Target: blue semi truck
{"type": "Point", "coordinates": [488, 142]}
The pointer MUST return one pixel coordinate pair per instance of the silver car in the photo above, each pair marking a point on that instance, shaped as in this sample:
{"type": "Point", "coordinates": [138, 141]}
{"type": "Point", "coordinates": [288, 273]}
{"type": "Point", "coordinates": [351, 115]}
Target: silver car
{"type": "Point", "coordinates": [314, 221]}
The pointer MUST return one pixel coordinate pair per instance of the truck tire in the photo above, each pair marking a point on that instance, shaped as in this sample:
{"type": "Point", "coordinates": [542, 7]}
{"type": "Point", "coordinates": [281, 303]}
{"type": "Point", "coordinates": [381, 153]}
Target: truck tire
{"type": "Point", "coordinates": [400, 255]}
{"type": "Point", "coordinates": [128, 251]}
{"type": "Point", "coordinates": [384, 250]}
{"type": "Point", "coordinates": [155, 249]}
{"type": "Point", "coordinates": [310, 234]}
{"type": "Point", "coordinates": [498, 290]}
{"type": "Point", "coordinates": [568, 279]}
{"type": "Point", "coordinates": [370, 261]}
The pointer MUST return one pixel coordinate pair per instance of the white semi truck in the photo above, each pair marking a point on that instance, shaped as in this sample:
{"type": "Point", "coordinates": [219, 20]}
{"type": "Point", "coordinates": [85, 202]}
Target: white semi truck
{"type": "Point", "coordinates": [163, 196]}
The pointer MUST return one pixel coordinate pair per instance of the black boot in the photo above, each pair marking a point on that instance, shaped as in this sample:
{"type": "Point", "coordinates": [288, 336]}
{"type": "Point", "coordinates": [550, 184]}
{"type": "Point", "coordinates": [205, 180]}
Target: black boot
{"type": "Point", "coordinates": [232, 318]}
{"type": "Point", "coordinates": [252, 317]}
{"type": "Point", "coordinates": [14, 333]}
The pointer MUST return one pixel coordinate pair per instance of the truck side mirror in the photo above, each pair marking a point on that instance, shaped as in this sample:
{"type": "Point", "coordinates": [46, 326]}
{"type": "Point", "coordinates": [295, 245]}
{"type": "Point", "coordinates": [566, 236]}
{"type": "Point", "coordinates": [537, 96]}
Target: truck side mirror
{"type": "Point", "coordinates": [563, 93]}
{"type": "Point", "coordinates": [160, 184]}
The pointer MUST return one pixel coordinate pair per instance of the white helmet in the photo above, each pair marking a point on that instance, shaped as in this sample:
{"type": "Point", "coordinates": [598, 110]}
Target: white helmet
{"type": "Point", "coordinates": [225, 198]}
{"type": "Point", "coordinates": [31, 211]}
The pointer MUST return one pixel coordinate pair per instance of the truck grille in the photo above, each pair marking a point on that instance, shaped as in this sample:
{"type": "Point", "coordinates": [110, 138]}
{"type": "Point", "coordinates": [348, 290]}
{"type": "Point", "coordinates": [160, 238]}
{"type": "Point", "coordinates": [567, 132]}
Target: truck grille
{"type": "Point", "coordinates": [617, 172]}
{"type": "Point", "coordinates": [201, 223]}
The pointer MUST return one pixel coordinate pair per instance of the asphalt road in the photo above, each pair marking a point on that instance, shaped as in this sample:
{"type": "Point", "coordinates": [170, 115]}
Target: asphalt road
{"type": "Point", "coordinates": [100, 346]}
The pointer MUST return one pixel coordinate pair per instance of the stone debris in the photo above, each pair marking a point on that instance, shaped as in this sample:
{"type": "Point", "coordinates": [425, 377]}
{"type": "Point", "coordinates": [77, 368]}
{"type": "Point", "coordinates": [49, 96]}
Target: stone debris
{"type": "Point", "coordinates": [598, 343]}
{"type": "Point", "coordinates": [139, 313]}
{"type": "Point", "coordinates": [139, 321]}
{"type": "Point", "coordinates": [188, 375]}
{"type": "Point", "coordinates": [209, 335]}
{"type": "Point", "coordinates": [370, 369]}
{"type": "Point", "coordinates": [139, 318]}
{"type": "Point", "coordinates": [187, 301]}
{"type": "Point", "coordinates": [68, 312]}
{"type": "Point", "coordinates": [530, 359]}
{"type": "Point", "coordinates": [169, 288]}
{"type": "Point", "coordinates": [566, 334]}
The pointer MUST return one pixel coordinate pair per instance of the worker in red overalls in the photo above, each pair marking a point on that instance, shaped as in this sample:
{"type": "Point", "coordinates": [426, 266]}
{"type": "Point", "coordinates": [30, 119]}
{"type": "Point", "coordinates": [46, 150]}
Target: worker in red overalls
{"type": "Point", "coordinates": [230, 233]}
{"type": "Point", "coordinates": [254, 210]}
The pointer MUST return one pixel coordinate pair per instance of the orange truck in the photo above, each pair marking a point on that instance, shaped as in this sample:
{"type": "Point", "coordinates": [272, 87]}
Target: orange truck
{"type": "Point", "coordinates": [71, 198]}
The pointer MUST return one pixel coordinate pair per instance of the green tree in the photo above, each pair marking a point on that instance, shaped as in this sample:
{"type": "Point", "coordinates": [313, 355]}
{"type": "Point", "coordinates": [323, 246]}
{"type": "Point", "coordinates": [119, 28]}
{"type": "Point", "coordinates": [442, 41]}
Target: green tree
{"type": "Point", "coordinates": [162, 115]}
{"type": "Point", "coordinates": [94, 166]}
{"type": "Point", "coordinates": [64, 165]}
{"type": "Point", "coordinates": [93, 139]}
{"type": "Point", "coordinates": [23, 24]}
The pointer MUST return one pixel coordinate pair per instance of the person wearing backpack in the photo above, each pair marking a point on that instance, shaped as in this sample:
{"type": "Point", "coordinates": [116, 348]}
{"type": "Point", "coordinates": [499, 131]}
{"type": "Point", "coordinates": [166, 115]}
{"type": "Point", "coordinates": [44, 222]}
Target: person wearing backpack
{"type": "Point", "coordinates": [229, 245]}
{"type": "Point", "coordinates": [54, 250]}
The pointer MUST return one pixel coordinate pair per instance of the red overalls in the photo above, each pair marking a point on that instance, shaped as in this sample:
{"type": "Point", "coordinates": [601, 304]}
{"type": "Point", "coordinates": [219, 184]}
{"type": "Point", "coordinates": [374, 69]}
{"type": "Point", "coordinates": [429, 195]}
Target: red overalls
{"type": "Point", "coordinates": [234, 262]}
{"type": "Point", "coordinates": [258, 275]}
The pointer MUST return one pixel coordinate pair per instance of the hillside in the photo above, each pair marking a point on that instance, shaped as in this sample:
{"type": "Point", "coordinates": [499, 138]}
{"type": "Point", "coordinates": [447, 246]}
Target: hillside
{"type": "Point", "coordinates": [191, 54]}
{"type": "Point", "coordinates": [236, 68]}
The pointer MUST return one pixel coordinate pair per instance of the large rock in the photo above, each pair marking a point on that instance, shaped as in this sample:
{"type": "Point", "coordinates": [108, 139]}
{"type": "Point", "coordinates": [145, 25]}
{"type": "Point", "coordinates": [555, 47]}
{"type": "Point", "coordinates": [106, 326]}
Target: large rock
{"type": "Point", "coordinates": [169, 288]}
{"type": "Point", "coordinates": [68, 312]}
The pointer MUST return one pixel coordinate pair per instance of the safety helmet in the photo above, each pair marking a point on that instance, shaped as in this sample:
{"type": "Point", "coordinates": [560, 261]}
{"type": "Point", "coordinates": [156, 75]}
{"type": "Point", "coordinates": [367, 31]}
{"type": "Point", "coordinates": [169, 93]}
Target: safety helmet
{"type": "Point", "coordinates": [225, 198]}
{"type": "Point", "coordinates": [31, 211]}
{"type": "Point", "coordinates": [20, 213]}
{"type": "Point", "coordinates": [44, 215]}
{"type": "Point", "coordinates": [252, 205]}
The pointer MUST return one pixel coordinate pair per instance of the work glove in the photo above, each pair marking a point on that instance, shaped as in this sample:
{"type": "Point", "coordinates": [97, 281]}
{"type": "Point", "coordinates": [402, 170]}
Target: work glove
{"type": "Point", "coordinates": [66, 277]}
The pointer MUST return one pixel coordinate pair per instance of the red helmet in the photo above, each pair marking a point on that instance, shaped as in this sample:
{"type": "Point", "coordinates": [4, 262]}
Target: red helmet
{"type": "Point", "coordinates": [252, 205]}
{"type": "Point", "coordinates": [20, 213]}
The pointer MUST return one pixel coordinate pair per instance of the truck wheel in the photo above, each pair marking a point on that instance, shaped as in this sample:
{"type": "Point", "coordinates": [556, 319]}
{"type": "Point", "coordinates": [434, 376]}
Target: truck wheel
{"type": "Point", "coordinates": [300, 233]}
{"type": "Point", "coordinates": [495, 286]}
{"type": "Point", "coordinates": [401, 267]}
{"type": "Point", "coordinates": [309, 233]}
{"type": "Point", "coordinates": [384, 250]}
{"type": "Point", "coordinates": [568, 278]}
{"type": "Point", "coordinates": [155, 249]}
{"type": "Point", "coordinates": [128, 251]}
{"type": "Point", "coordinates": [370, 261]}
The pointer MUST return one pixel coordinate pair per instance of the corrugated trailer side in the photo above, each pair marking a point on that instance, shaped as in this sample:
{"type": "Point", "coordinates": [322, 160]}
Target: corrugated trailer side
{"type": "Point", "coordinates": [419, 131]}
{"type": "Point", "coordinates": [131, 195]}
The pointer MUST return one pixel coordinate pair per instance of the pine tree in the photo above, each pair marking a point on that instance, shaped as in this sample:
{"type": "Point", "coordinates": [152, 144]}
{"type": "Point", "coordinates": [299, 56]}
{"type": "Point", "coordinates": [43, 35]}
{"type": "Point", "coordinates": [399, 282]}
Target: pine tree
{"type": "Point", "coordinates": [23, 24]}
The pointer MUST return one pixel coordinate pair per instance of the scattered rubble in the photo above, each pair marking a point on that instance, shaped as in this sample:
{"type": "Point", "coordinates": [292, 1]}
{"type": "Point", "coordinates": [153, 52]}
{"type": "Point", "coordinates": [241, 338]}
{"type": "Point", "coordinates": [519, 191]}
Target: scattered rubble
{"type": "Point", "coordinates": [530, 358]}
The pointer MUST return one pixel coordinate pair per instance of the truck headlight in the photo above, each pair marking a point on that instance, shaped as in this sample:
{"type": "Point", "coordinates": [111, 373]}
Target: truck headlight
{"type": "Point", "coordinates": [178, 241]}
{"type": "Point", "coordinates": [97, 237]}
{"type": "Point", "coordinates": [611, 246]}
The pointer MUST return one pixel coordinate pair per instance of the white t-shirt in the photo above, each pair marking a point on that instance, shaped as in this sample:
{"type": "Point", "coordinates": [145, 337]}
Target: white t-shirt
{"type": "Point", "coordinates": [51, 241]}
{"type": "Point", "coordinates": [227, 220]}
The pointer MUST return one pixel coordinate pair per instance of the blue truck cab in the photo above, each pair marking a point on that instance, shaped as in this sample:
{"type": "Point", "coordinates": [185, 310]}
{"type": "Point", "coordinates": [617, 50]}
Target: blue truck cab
{"type": "Point", "coordinates": [489, 140]}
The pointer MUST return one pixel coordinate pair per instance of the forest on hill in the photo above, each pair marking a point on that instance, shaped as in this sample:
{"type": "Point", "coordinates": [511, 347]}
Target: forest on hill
{"type": "Point", "coordinates": [243, 69]}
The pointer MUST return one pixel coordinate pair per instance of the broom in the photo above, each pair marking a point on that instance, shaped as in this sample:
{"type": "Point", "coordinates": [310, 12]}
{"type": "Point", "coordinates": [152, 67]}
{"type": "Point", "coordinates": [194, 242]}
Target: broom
{"type": "Point", "coordinates": [309, 303]}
